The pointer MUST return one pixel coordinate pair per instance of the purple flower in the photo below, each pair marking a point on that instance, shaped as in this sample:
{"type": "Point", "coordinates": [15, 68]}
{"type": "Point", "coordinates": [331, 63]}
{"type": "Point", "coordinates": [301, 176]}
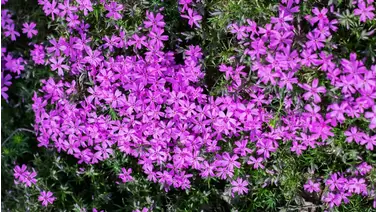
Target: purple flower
{"type": "Point", "coordinates": [338, 111]}
{"type": "Point", "coordinates": [239, 186]}
{"type": "Point", "coordinates": [242, 149]}
{"type": "Point", "coordinates": [320, 16]}
{"type": "Point", "coordinates": [193, 17]}
{"type": "Point", "coordinates": [154, 21]}
{"type": "Point", "coordinates": [138, 41]}
{"type": "Point", "coordinates": [311, 187]}
{"type": "Point", "coordinates": [113, 8]}
{"type": "Point", "coordinates": [257, 163]}
{"type": "Point", "coordinates": [30, 178]}
{"type": "Point", "coordinates": [352, 135]}
{"type": "Point", "coordinates": [85, 5]}
{"type": "Point", "coordinates": [332, 199]}
{"type": "Point", "coordinates": [313, 90]}
{"type": "Point", "coordinates": [357, 186]}
{"type": "Point", "coordinates": [265, 146]}
{"type": "Point", "coordinates": [56, 64]}
{"type": "Point", "coordinates": [46, 198]}
{"type": "Point", "coordinates": [315, 41]}
{"type": "Point", "coordinates": [335, 182]}
{"type": "Point", "coordinates": [29, 29]}
{"type": "Point", "coordinates": [207, 170]}
{"type": "Point", "coordinates": [125, 176]}
{"type": "Point", "coordinates": [369, 141]}
{"type": "Point", "coordinates": [66, 8]}
{"type": "Point", "coordinates": [20, 172]}
{"type": "Point", "coordinates": [365, 13]}
{"type": "Point", "coordinates": [364, 168]}
{"type": "Point", "coordinates": [51, 9]}
{"type": "Point", "coordinates": [11, 32]}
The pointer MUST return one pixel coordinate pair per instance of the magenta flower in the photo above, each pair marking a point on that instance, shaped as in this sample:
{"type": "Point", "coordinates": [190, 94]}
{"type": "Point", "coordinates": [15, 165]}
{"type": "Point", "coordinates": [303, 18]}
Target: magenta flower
{"type": "Point", "coordinates": [311, 187]}
{"type": "Point", "coordinates": [239, 31]}
{"type": "Point", "coordinates": [369, 142]}
{"type": "Point", "coordinates": [56, 64]}
{"type": "Point", "coordinates": [29, 29]}
{"type": "Point", "coordinates": [113, 8]}
{"type": "Point", "coordinates": [125, 176]}
{"type": "Point", "coordinates": [316, 41]}
{"type": "Point", "coordinates": [298, 148]}
{"type": "Point", "coordinates": [5, 83]}
{"type": "Point", "coordinates": [241, 148]}
{"type": "Point", "coordinates": [320, 16]}
{"type": "Point", "coordinates": [46, 198]}
{"type": "Point", "coordinates": [207, 170]}
{"type": "Point", "coordinates": [20, 172]}
{"type": "Point", "coordinates": [332, 199]}
{"type": "Point", "coordinates": [239, 186]}
{"type": "Point", "coordinates": [11, 32]}
{"type": "Point", "coordinates": [51, 9]}
{"type": "Point", "coordinates": [364, 168]}
{"type": "Point", "coordinates": [287, 80]}
{"type": "Point", "coordinates": [365, 13]}
{"type": "Point", "coordinates": [138, 41]}
{"type": "Point", "coordinates": [352, 135]}
{"type": "Point", "coordinates": [142, 210]}
{"type": "Point", "coordinates": [154, 21]}
{"type": "Point", "coordinates": [193, 17]}
{"type": "Point", "coordinates": [265, 147]}
{"type": "Point", "coordinates": [257, 163]}
{"type": "Point", "coordinates": [337, 111]}
{"type": "Point", "coordinates": [85, 5]}
{"type": "Point", "coordinates": [335, 182]}
{"type": "Point", "coordinates": [66, 8]}
{"type": "Point", "coordinates": [313, 112]}
{"type": "Point", "coordinates": [185, 4]}
{"type": "Point", "coordinates": [29, 178]}
{"type": "Point", "coordinates": [313, 90]}
{"type": "Point", "coordinates": [357, 186]}
{"type": "Point", "coordinates": [282, 21]}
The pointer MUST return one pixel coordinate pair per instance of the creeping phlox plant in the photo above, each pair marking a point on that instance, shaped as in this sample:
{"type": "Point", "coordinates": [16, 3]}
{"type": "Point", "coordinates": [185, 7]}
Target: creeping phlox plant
{"type": "Point", "coordinates": [127, 92]}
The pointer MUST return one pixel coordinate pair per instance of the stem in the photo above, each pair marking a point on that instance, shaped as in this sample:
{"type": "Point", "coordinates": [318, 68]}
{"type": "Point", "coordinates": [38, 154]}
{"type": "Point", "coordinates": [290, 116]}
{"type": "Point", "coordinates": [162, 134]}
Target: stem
{"type": "Point", "coordinates": [14, 132]}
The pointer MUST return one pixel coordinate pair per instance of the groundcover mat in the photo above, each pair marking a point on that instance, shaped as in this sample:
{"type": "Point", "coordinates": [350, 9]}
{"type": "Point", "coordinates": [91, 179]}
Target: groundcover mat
{"type": "Point", "coordinates": [188, 105]}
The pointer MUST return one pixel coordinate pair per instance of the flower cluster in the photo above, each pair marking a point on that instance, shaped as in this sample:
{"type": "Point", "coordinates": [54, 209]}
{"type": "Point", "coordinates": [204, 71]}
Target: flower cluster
{"type": "Point", "coordinates": [151, 108]}
{"type": "Point", "coordinates": [11, 63]}
{"type": "Point", "coordinates": [27, 178]}
{"type": "Point", "coordinates": [23, 176]}
{"type": "Point", "coordinates": [340, 187]}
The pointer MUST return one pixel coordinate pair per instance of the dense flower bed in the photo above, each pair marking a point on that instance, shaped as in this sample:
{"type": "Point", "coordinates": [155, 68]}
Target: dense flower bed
{"type": "Point", "coordinates": [129, 93]}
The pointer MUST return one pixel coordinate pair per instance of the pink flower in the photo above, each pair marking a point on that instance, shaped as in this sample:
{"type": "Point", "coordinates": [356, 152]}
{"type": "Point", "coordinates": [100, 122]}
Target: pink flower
{"type": "Point", "coordinates": [311, 187]}
{"type": "Point", "coordinates": [46, 198]}
{"type": "Point", "coordinates": [56, 64]}
{"type": "Point", "coordinates": [313, 90]}
{"type": "Point", "coordinates": [113, 8]}
{"type": "Point", "coordinates": [257, 163]}
{"type": "Point", "coordinates": [239, 186]}
{"type": "Point", "coordinates": [193, 17]}
{"type": "Point", "coordinates": [154, 21]}
{"type": "Point", "coordinates": [30, 178]}
{"type": "Point", "coordinates": [11, 32]}
{"type": "Point", "coordinates": [29, 29]}
{"type": "Point", "coordinates": [125, 176]}
{"type": "Point", "coordinates": [20, 172]}
{"type": "Point", "coordinates": [365, 13]}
